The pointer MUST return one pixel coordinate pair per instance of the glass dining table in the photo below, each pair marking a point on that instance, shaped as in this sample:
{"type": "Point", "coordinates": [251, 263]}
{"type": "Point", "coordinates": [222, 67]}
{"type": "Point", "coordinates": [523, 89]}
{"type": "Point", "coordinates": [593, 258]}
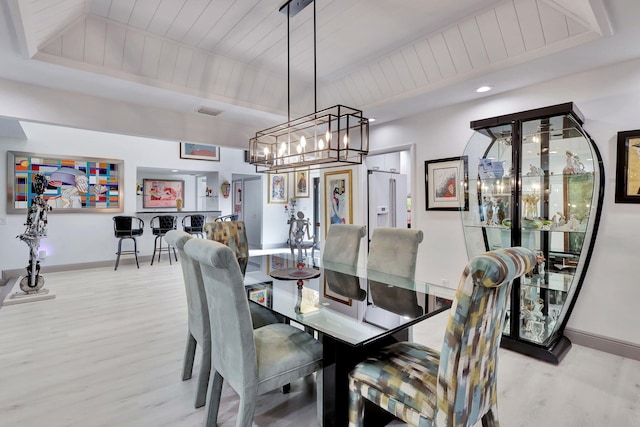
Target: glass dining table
{"type": "Point", "coordinates": [355, 312]}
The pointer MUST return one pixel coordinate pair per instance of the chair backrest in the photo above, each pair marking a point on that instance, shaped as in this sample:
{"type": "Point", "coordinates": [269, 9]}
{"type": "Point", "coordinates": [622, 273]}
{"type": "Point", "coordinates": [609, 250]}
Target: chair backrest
{"type": "Point", "coordinates": [394, 251]}
{"type": "Point", "coordinates": [342, 244]}
{"type": "Point", "coordinates": [468, 360]}
{"type": "Point", "coordinates": [232, 234]}
{"type": "Point", "coordinates": [196, 222]}
{"type": "Point", "coordinates": [194, 288]}
{"type": "Point", "coordinates": [164, 223]}
{"type": "Point", "coordinates": [229, 233]}
{"type": "Point", "coordinates": [395, 299]}
{"type": "Point", "coordinates": [347, 285]}
{"type": "Point", "coordinates": [232, 217]}
{"type": "Point", "coordinates": [125, 225]}
{"type": "Point", "coordinates": [232, 345]}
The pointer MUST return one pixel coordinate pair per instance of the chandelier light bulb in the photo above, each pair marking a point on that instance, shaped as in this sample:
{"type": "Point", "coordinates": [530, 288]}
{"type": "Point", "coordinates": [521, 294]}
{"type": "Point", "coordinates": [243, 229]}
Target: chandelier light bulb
{"type": "Point", "coordinates": [299, 148]}
{"type": "Point", "coordinates": [320, 144]}
{"type": "Point", "coordinates": [345, 140]}
{"type": "Point", "coordinates": [303, 141]}
{"type": "Point", "coordinates": [266, 151]}
{"type": "Point", "coordinates": [328, 136]}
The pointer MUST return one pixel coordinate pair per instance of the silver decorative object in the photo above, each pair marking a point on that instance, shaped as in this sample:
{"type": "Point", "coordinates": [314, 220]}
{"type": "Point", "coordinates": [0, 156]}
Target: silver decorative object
{"type": "Point", "coordinates": [36, 229]}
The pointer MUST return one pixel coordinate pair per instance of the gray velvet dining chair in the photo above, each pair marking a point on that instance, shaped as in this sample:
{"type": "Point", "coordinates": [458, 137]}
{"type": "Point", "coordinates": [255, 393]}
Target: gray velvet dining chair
{"type": "Point", "coordinates": [342, 244]}
{"type": "Point", "coordinates": [199, 330]}
{"type": "Point", "coordinates": [394, 251]}
{"type": "Point", "coordinates": [252, 362]}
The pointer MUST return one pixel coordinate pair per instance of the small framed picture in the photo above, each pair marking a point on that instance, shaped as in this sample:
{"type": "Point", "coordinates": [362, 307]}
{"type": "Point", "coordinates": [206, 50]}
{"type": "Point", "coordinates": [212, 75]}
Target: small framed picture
{"type": "Point", "coordinates": [301, 183]}
{"type": "Point", "coordinates": [446, 183]}
{"type": "Point", "coordinates": [260, 293]}
{"type": "Point", "coordinates": [162, 193]}
{"type": "Point", "coordinates": [338, 198]}
{"type": "Point", "coordinates": [278, 188]}
{"type": "Point", "coordinates": [199, 151]}
{"type": "Point", "coordinates": [628, 167]}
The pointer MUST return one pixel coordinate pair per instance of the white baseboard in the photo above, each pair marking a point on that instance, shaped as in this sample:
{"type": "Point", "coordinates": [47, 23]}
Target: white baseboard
{"type": "Point", "coordinates": [602, 343]}
{"type": "Point", "coordinates": [8, 274]}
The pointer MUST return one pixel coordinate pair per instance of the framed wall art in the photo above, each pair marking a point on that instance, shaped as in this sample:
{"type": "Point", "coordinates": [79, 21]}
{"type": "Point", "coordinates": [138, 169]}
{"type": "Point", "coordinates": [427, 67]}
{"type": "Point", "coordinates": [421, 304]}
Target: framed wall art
{"type": "Point", "coordinates": [74, 184]}
{"type": "Point", "coordinates": [278, 188]}
{"type": "Point", "coordinates": [301, 183]}
{"type": "Point", "coordinates": [338, 198]}
{"type": "Point", "coordinates": [628, 167]}
{"type": "Point", "coordinates": [237, 196]}
{"type": "Point", "coordinates": [446, 183]}
{"type": "Point", "coordinates": [162, 193]}
{"type": "Point", "coordinates": [278, 262]}
{"type": "Point", "coordinates": [199, 151]}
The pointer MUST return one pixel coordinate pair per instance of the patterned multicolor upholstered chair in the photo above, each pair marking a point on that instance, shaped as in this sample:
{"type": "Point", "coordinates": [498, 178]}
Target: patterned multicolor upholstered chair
{"type": "Point", "coordinates": [232, 234]}
{"type": "Point", "coordinates": [457, 386]}
{"type": "Point", "coordinates": [252, 362]}
{"type": "Point", "coordinates": [199, 330]}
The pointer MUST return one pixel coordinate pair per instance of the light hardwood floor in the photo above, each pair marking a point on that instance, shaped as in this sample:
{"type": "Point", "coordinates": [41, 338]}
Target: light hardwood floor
{"type": "Point", "coordinates": [108, 352]}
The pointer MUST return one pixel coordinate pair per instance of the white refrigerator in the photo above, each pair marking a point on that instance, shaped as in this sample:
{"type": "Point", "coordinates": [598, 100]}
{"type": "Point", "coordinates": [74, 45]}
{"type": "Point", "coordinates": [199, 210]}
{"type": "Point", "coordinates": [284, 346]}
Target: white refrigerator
{"type": "Point", "coordinates": [387, 195]}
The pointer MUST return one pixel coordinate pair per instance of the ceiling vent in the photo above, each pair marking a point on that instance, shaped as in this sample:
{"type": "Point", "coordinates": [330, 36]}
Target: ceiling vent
{"type": "Point", "coordinates": [209, 111]}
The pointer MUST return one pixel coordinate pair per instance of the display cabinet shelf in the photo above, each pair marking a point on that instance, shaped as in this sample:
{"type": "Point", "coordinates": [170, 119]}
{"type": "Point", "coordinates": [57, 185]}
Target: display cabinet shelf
{"type": "Point", "coordinates": [539, 184]}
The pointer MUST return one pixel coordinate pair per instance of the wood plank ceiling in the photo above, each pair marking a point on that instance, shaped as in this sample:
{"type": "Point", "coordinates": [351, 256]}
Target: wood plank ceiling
{"type": "Point", "coordinates": [368, 52]}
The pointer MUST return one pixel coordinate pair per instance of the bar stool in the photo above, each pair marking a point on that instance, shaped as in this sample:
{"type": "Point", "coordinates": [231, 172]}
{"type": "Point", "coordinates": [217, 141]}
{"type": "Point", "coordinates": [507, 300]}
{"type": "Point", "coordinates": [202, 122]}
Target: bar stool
{"type": "Point", "coordinates": [127, 227]}
{"type": "Point", "coordinates": [195, 224]}
{"type": "Point", "coordinates": [160, 224]}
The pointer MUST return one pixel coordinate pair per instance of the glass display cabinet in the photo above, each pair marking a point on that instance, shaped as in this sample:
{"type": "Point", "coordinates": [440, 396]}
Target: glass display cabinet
{"type": "Point", "coordinates": [536, 179]}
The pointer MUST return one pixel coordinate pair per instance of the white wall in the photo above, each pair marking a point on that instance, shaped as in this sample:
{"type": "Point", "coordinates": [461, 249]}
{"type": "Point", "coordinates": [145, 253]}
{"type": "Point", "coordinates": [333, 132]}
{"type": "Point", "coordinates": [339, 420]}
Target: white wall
{"type": "Point", "coordinates": [88, 237]}
{"type": "Point", "coordinates": [610, 100]}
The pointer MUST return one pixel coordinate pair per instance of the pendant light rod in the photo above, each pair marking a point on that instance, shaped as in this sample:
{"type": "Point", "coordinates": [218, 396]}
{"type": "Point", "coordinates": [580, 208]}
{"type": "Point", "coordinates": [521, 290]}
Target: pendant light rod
{"type": "Point", "coordinates": [288, 64]}
{"type": "Point", "coordinates": [315, 75]}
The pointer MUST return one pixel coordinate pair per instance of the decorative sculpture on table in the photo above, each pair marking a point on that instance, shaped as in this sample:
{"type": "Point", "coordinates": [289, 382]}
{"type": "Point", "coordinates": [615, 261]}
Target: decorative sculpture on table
{"type": "Point", "coordinates": [298, 228]}
{"type": "Point", "coordinates": [36, 229]}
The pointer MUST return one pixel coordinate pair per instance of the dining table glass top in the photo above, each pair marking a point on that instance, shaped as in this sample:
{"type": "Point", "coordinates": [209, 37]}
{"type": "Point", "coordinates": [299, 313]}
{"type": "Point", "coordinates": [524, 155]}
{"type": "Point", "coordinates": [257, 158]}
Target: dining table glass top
{"type": "Point", "coordinates": [351, 304]}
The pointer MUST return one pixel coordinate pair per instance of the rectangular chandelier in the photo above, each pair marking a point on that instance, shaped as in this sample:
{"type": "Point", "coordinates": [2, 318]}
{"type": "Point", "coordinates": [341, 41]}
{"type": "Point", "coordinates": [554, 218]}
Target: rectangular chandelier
{"type": "Point", "coordinates": [327, 138]}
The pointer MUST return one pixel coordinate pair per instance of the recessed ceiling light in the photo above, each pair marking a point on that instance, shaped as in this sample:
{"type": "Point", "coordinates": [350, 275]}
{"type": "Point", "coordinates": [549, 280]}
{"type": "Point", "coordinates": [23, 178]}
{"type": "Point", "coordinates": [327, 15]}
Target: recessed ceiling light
{"type": "Point", "coordinates": [371, 120]}
{"type": "Point", "coordinates": [174, 170]}
{"type": "Point", "coordinates": [482, 89]}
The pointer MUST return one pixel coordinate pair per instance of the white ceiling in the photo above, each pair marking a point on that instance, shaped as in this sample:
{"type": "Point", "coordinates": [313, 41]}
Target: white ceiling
{"type": "Point", "coordinates": [388, 58]}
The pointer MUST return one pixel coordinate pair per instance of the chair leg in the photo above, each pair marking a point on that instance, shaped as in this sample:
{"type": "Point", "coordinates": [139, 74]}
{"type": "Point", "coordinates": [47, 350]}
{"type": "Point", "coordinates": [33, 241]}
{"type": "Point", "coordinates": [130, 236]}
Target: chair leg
{"type": "Point", "coordinates": [189, 356]}
{"type": "Point", "coordinates": [319, 397]}
{"type": "Point", "coordinates": [119, 250]}
{"type": "Point", "coordinates": [203, 378]}
{"type": "Point", "coordinates": [135, 250]}
{"type": "Point", "coordinates": [175, 255]}
{"type": "Point", "coordinates": [155, 245]}
{"type": "Point", "coordinates": [490, 419]}
{"type": "Point", "coordinates": [356, 409]}
{"type": "Point", "coordinates": [247, 407]}
{"type": "Point", "coordinates": [211, 412]}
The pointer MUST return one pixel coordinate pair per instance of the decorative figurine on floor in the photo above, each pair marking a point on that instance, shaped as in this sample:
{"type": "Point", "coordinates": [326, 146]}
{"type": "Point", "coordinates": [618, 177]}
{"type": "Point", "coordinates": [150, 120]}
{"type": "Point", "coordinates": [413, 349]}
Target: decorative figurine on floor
{"type": "Point", "coordinates": [36, 229]}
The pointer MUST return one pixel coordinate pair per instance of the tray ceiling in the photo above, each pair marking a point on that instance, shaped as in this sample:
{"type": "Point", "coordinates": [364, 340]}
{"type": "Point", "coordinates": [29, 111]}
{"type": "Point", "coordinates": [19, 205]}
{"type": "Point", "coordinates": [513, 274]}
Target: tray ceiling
{"type": "Point", "coordinates": [370, 54]}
